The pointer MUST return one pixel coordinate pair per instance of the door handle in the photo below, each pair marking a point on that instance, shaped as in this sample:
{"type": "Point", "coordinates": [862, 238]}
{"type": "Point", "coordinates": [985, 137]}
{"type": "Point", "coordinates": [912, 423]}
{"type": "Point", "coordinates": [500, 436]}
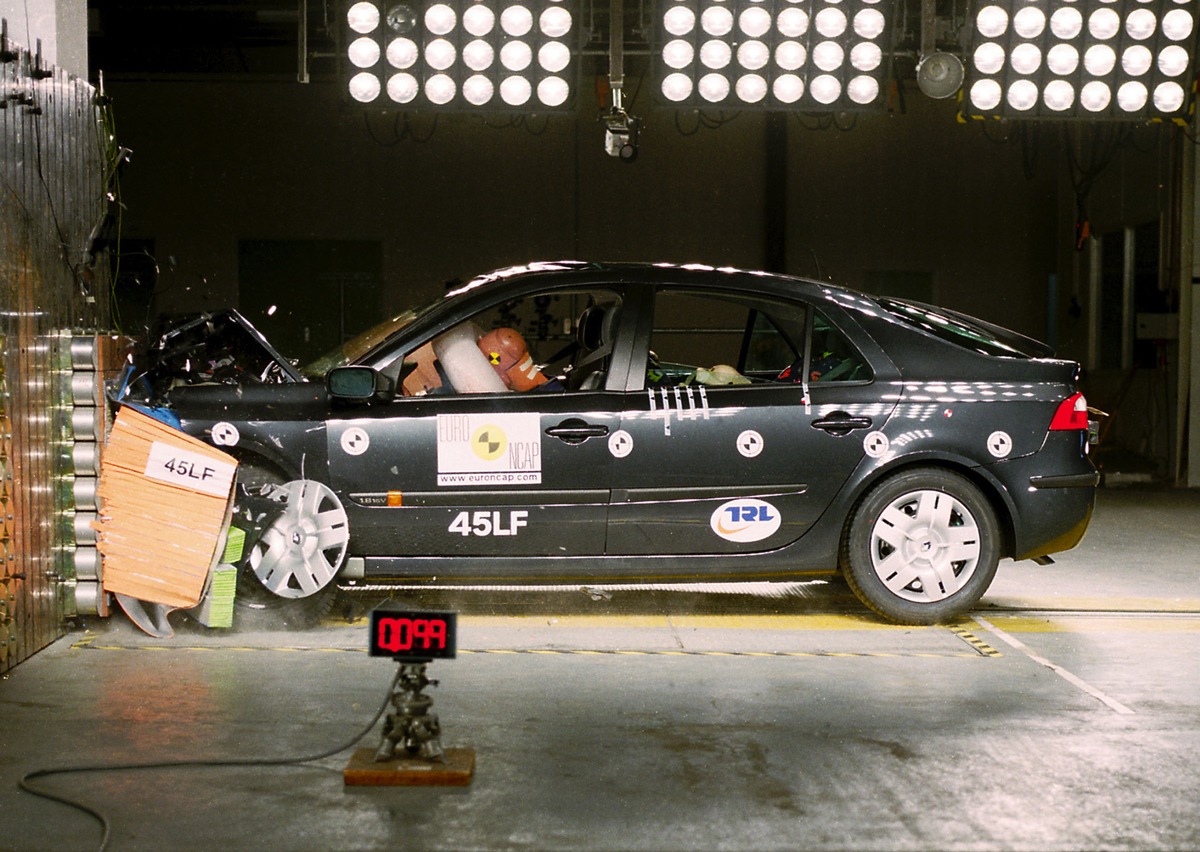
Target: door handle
{"type": "Point", "coordinates": [841, 423]}
{"type": "Point", "coordinates": [576, 431]}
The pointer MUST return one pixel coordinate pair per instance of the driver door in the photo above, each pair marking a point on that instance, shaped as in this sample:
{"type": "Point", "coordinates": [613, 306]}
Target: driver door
{"type": "Point", "coordinates": [496, 472]}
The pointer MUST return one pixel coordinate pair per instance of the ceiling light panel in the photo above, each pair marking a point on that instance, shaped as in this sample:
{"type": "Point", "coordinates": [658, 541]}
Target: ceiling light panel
{"type": "Point", "coordinates": [516, 56]}
{"type": "Point", "coordinates": [1111, 60]}
{"type": "Point", "coordinates": [807, 55]}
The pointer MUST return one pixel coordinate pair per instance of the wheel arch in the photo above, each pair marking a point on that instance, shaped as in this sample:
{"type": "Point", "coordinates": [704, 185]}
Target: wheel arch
{"type": "Point", "coordinates": [253, 452]}
{"type": "Point", "coordinates": [999, 501]}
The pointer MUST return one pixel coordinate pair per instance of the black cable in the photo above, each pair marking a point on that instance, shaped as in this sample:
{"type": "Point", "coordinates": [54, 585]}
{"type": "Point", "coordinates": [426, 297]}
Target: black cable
{"type": "Point", "coordinates": [901, 100]}
{"type": "Point", "coordinates": [511, 121]}
{"type": "Point", "coordinates": [1082, 174]}
{"type": "Point", "coordinates": [852, 122]}
{"type": "Point", "coordinates": [985, 126]}
{"type": "Point", "coordinates": [680, 128]}
{"type": "Point", "coordinates": [820, 121]}
{"type": "Point", "coordinates": [50, 205]}
{"type": "Point", "coordinates": [637, 90]}
{"type": "Point", "coordinates": [714, 122]}
{"type": "Point", "coordinates": [531, 130]}
{"type": "Point", "coordinates": [106, 826]}
{"type": "Point", "coordinates": [397, 136]}
{"type": "Point", "coordinates": [412, 134]}
{"type": "Point", "coordinates": [1029, 149]}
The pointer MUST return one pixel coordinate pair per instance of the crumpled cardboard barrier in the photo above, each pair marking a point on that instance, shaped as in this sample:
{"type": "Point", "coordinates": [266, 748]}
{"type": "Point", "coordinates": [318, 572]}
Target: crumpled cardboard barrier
{"type": "Point", "coordinates": [165, 502]}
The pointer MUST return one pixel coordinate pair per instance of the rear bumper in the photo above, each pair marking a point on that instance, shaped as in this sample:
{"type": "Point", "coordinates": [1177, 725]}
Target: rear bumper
{"type": "Point", "coordinates": [1050, 512]}
{"type": "Point", "coordinates": [1071, 498]}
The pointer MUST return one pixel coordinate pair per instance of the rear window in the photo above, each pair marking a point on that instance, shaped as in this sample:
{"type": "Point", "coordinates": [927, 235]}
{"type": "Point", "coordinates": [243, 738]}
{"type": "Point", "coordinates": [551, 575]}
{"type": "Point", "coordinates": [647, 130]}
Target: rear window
{"type": "Point", "coordinates": [962, 330]}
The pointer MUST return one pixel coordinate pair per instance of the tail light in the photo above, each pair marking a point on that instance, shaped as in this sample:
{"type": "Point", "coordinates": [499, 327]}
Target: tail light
{"type": "Point", "coordinates": [1072, 413]}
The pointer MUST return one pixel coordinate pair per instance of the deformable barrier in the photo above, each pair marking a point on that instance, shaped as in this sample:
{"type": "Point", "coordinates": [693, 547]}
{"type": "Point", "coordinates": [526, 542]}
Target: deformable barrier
{"type": "Point", "coordinates": [56, 163]}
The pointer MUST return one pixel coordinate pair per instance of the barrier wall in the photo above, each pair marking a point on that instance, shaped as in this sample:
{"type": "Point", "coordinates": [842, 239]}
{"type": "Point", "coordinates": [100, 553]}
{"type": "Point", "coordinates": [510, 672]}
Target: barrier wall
{"type": "Point", "coordinates": [55, 158]}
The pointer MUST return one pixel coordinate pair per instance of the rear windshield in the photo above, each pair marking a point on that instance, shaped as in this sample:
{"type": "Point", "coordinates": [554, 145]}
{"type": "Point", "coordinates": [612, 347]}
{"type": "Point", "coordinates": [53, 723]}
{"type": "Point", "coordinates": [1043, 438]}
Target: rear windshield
{"type": "Point", "coordinates": [964, 331]}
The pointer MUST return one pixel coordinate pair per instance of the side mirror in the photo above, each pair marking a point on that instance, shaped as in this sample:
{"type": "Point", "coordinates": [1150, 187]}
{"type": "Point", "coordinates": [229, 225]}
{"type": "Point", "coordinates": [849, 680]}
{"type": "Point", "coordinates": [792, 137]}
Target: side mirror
{"type": "Point", "coordinates": [358, 384]}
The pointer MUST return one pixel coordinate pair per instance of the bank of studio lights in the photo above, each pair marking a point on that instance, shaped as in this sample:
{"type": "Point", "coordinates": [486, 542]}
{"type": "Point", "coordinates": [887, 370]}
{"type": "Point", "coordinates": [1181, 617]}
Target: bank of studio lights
{"type": "Point", "coordinates": [1098, 59]}
{"type": "Point", "coordinates": [510, 55]}
{"type": "Point", "coordinates": [774, 54]}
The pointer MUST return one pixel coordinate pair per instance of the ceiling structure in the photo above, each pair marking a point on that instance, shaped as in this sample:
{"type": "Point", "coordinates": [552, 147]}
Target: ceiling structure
{"type": "Point", "coordinates": [126, 37]}
{"type": "Point", "coordinates": [268, 38]}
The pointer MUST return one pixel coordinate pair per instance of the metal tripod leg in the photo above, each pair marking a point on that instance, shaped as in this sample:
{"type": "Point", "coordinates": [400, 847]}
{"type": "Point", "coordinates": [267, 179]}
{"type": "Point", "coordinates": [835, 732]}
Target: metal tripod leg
{"type": "Point", "coordinates": [411, 729]}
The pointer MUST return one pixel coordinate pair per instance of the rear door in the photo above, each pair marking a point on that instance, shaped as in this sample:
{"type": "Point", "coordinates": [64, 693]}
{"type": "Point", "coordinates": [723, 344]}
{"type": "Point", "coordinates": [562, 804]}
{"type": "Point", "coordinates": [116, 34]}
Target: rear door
{"type": "Point", "coordinates": [726, 448]}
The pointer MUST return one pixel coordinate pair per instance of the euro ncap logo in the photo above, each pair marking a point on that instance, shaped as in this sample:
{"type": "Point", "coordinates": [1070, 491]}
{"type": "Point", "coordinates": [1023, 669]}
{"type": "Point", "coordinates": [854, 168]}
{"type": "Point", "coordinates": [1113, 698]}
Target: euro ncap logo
{"type": "Point", "coordinates": [489, 442]}
{"type": "Point", "coordinates": [745, 520]}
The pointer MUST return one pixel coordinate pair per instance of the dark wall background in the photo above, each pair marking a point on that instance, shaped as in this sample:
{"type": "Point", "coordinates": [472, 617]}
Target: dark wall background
{"type": "Point", "coordinates": [985, 213]}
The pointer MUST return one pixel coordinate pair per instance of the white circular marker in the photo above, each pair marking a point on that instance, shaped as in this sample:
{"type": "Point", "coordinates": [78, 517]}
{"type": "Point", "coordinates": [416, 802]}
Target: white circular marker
{"type": "Point", "coordinates": [999, 444]}
{"type": "Point", "coordinates": [225, 434]}
{"type": "Point", "coordinates": [750, 443]}
{"type": "Point", "coordinates": [620, 444]}
{"type": "Point", "coordinates": [355, 441]}
{"type": "Point", "coordinates": [876, 444]}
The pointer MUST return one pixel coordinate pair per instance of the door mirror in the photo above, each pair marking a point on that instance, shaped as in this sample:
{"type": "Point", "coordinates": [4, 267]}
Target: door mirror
{"type": "Point", "coordinates": [358, 384]}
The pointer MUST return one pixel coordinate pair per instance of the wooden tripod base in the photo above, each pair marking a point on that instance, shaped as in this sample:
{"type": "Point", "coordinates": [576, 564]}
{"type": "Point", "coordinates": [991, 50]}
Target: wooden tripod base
{"type": "Point", "coordinates": [363, 771]}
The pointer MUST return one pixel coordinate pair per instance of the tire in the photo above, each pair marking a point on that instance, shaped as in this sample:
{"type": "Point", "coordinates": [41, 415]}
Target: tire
{"type": "Point", "coordinates": [921, 547]}
{"type": "Point", "coordinates": [257, 607]}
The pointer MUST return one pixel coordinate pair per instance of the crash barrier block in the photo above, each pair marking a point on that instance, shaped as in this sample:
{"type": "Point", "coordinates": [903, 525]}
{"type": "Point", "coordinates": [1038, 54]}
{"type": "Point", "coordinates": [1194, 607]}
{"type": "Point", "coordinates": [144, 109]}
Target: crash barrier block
{"type": "Point", "coordinates": [165, 501]}
{"type": "Point", "coordinates": [216, 610]}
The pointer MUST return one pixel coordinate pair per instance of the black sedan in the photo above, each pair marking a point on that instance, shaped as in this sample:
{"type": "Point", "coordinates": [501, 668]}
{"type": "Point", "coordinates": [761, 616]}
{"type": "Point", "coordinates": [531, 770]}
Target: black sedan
{"type": "Point", "coordinates": [584, 424]}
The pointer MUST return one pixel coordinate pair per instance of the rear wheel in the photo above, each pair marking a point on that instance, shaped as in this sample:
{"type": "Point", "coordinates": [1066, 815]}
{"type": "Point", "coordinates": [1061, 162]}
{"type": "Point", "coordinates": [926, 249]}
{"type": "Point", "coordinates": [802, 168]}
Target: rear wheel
{"type": "Point", "coordinates": [921, 547]}
{"type": "Point", "coordinates": [286, 578]}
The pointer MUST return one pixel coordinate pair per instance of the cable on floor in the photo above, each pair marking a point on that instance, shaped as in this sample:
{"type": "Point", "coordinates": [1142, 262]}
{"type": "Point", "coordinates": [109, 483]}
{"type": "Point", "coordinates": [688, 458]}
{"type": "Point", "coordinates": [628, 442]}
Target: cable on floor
{"type": "Point", "coordinates": [106, 825]}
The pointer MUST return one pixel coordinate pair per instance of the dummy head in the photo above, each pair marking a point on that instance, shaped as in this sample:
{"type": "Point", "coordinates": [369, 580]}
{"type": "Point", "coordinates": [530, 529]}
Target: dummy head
{"type": "Point", "coordinates": [506, 351]}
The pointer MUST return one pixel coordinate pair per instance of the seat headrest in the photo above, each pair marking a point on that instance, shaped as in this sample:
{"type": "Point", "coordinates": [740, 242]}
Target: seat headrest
{"type": "Point", "coordinates": [596, 325]}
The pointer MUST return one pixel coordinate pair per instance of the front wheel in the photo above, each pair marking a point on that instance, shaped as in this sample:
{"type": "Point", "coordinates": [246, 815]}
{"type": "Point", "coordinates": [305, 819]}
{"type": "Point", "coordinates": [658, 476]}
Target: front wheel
{"type": "Point", "coordinates": [285, 580]}
{"type": "Point", "coordinates": [921, 547]}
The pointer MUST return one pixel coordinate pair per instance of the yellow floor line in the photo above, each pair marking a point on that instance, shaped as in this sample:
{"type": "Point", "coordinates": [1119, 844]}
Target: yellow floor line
{"type": "Point", "coordinates": [1084, 623]}
{"type": "Point", "coordinates": [687, 622]}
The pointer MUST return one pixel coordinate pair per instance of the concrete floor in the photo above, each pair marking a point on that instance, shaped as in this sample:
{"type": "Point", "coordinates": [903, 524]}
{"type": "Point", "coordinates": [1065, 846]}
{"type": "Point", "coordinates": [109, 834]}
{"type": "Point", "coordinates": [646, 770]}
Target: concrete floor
{"type": "Point", "coordinates": [1065, 714]}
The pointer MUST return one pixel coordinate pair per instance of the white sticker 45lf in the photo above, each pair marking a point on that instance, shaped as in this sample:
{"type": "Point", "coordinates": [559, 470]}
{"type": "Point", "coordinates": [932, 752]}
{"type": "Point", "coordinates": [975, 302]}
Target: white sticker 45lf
{"type": "Point", "coordinates": [188, 469]}
{"type": "Point", "coordinates": [487, 523]}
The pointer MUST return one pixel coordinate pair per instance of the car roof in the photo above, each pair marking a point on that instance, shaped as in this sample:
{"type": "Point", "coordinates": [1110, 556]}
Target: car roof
{"type": "Point", "coordinates": [698, 274]}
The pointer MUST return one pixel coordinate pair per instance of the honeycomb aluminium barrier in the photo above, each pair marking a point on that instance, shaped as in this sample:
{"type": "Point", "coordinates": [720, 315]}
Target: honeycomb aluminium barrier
{"type": "Point", "coordinates": [86, 365]}
{"type": "Point", "coordinates": [54, 156]}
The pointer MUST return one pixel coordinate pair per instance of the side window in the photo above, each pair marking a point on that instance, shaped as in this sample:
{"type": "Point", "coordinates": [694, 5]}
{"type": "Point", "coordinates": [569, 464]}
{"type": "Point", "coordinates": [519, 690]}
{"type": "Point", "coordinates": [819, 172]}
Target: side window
{"type": "Point", "coordinates": [545, 343]}
{"type": "Point", "coordinates": [739, 339]}
{"type": "Point", "coordinates": [721, 339]}
{"type": "Point", "coordinates": [833, 358]}
{"type": "Point", "coordinates": [770, 352]}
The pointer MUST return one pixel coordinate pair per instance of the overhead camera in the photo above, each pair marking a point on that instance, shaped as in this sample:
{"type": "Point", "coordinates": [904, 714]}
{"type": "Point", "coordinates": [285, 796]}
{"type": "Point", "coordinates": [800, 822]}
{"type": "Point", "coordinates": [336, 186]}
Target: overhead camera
{"type": "Point", "coordinates": [621, 135]}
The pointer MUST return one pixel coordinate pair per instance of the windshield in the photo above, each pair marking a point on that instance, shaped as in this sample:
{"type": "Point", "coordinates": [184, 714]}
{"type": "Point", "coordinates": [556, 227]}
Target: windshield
{"type": "Point", "coordinates": [362, 343]}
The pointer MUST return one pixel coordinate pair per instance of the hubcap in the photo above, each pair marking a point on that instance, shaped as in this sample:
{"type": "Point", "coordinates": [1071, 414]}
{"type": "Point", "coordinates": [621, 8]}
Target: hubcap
{"type": "Point", "coordinates": [301, 552]}
{"type": "Point", "coordinates": [925, 546]}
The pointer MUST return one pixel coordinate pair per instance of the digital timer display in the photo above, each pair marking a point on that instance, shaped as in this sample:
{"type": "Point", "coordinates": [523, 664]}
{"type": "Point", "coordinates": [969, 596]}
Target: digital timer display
{"type": "Point", "coordinates": [413, 635]}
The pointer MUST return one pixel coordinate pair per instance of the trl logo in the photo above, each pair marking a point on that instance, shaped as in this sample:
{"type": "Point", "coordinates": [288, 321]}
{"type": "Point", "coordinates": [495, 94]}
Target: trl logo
{"type": "Point", "coordinates": [745, 520]}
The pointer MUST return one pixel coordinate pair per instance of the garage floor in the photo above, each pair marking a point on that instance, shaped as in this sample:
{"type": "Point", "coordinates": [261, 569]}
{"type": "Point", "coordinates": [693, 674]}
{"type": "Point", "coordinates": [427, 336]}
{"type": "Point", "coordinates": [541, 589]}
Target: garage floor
{"type": "Point", "coordinates": [1064, 714]}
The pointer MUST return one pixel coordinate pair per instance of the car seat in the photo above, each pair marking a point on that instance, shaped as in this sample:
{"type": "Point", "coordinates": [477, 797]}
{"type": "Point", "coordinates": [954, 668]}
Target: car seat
{"type": "Point", "coordinates": [595, 335]}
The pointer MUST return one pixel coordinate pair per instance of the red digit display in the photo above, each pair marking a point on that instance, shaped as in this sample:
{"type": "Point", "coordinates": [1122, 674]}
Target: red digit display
{"type": "Point", "coordinates": [412, 635]}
